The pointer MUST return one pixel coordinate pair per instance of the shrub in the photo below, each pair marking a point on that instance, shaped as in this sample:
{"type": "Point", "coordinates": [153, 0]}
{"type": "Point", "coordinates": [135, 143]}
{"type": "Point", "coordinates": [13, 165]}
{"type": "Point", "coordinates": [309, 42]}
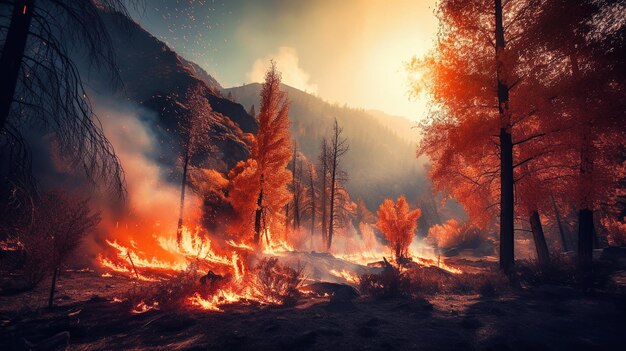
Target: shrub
{"type": "Point", "coordinates": [398, 224]}
{"type": "Point", "coordinates": [277, 282]}
{"type": "Point", "coordinates": [420, 280]}
{"type": "Point", "coordinates": [453, 234]}
{"type": "Point", "coordinates": [616, 231]}
{"type": "Point", "coordinates": [59, 223]}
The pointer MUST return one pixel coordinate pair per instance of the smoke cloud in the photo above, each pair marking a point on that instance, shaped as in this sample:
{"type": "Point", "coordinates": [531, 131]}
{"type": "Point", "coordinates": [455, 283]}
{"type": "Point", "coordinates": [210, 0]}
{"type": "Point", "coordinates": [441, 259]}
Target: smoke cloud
{"type": "Point", "coordinates": [288, 64]}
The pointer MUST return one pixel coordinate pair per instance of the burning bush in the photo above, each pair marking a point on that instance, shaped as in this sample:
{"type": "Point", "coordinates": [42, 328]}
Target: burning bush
{"type": "Point", "coordinates": [398, 224]}
{"type": "Point", "coordinates": [175, 292]}
{"type": "Point", "coordinates": [452, 234]}
{"type": "Point", "coordinates": [390, 283]}
{"type": "Point", "coordinates": [279, 283]}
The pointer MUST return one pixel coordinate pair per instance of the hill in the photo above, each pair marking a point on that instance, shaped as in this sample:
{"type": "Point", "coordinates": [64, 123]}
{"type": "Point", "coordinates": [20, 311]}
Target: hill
{"type": "Point", "coordinates": [380, 163]}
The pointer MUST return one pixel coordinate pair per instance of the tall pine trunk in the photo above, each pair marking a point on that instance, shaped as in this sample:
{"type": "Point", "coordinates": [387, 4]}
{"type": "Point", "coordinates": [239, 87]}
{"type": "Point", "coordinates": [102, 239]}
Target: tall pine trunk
{"type": "Point", "coordinates": [585, 212]}
{"type": "Point", "coordinates": [507, 256]}
{"type": "Point", "coordinates": [12, 54]}
{"type": "Point", "coordinates": [179, 228]}
{"type": "Point", "coordinates": [543, 255]}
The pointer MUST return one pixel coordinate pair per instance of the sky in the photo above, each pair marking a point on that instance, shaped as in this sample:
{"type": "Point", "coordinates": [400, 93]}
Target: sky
{"type": "Point", "coordinates": [344, 51]}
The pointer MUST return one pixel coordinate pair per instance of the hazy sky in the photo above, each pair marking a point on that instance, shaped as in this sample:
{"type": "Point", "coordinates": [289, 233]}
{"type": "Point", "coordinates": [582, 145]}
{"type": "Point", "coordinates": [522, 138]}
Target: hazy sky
{"type": "Point", "coordinates": [346, 51]}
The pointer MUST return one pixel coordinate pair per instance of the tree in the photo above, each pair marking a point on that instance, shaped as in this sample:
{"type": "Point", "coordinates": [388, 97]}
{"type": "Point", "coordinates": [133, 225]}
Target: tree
{"type": "Point", "coordinates": [323, 188]}
{"type": "Point", "coordinates": [310, 204]}
{"type": "Point", "coordinates": [296, 188]}
{"type": "Point", "coordinates": [398, 224]}
{"type": "Point", "coordinates": [41, 84]}
{"type": "Point", "coordinates": [59, 224]}
{"type": "Point", "coordinates": [260, 183]}
{"type": "Point", "coordinates": [338, 148]}
{"type": "Point", "coordinates": [195, 125]}
{"type": "Point", "coordinates": [507, 225]}
{"type": "Point", "coordinates": [542, 108]}
{"type": "Point", "coordinates": [252, 111]}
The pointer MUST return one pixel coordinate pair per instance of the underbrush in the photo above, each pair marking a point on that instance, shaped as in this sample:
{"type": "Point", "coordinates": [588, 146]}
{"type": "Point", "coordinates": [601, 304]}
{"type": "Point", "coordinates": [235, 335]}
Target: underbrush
{"type": "Point", "coordinates": [279, 283]}
{"type": "Point", "coordinates": [274, 283]}
{"type": "Point", "coordinates": [560, 271]}
{"type": "Point", "coordinates": [420, 281]}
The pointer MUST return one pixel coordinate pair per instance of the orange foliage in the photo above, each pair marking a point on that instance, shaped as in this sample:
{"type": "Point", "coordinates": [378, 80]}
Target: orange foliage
{"type": "Point", "coordinates": [398, 224]}
{"type": "Point", "coordinates": [565, 104]}
{"type": "Point", "coordinates": [264, 176]}
{"type": "Point", "coordinates": [452, 234]}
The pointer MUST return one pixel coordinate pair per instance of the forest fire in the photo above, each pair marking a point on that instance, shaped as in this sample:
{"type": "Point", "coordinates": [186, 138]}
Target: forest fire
{"type": "Point", "coordinates": [149, 202]}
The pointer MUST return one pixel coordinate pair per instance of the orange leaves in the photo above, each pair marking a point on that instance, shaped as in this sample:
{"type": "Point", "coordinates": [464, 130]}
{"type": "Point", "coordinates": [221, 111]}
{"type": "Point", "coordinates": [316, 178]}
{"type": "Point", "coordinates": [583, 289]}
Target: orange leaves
{"type": "Point", "coordinates": [398, 224]}
{"type": "Point", "coordinates": [266, 170]}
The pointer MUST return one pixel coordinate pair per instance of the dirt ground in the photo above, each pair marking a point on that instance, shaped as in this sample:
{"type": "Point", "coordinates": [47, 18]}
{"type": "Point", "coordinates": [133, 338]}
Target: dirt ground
{"type": "Point", "coordinates": [543, 318]}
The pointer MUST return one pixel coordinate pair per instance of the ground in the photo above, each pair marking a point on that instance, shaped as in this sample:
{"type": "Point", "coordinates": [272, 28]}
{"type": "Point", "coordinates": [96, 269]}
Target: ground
{"type": "Point", "coordinates": [545, 317]}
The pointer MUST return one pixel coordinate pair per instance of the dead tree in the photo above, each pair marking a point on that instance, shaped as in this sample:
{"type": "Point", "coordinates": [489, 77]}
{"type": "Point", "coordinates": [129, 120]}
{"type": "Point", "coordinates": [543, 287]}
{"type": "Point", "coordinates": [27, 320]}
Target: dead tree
{"type": "Point", "coordinates": [323, 188]}
{"type": "Point", "coordinates": [195, 125]}
{"type": "Point", "coordinates": [338, 148]}
{"type": "Point", "coordinates": [42, 84]}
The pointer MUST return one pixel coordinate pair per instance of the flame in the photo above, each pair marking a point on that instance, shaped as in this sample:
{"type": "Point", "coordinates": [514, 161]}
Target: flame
{"type": "Point", "coordinates": [163, 256]}
{"type": "Point", "coordinates": [142, 307]}
{"type": "Point", "coordinates": [349, 277]}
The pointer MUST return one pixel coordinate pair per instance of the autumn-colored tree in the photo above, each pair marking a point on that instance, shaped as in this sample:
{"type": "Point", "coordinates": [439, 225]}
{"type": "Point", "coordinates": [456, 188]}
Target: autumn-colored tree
{"type": "Point", "coordinates": [398, 224]}
{"type": "Point", "coordinates": [258, 190]}
{"type": "Point", "coordinates": [534, 110]}
{"type": "Point", "coordinates": [195, 125]}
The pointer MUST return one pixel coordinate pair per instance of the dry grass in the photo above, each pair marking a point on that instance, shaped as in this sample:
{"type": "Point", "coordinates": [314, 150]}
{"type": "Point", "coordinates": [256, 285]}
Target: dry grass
{"type": "Point", "coordinates": [420, 281]}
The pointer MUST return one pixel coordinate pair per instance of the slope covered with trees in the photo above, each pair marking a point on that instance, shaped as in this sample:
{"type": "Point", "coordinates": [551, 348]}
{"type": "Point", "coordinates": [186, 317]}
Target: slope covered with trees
{"type": "Point", "coordinates": [380, 164]}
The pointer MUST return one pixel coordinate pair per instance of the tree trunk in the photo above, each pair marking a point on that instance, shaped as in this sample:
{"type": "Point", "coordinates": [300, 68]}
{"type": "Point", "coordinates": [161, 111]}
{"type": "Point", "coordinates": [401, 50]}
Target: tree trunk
{"type": "Point", "coordinates": [507, 255]}
{"type": "Point", "coordinates": [585, 212]}
{"type": "Point", "coordinates": [293, 184]}
{"type": "Point", "coordinates": [179, 228]}
{"type": "Point", "coordinates": [543, 255]}
{"type": "Point", "coordinates": [12, 54]}
{"type": "Point", "coordinates": [53, 287]}
{"type": "Point", "coordinates": [559, 223]}
{"type": "Point", "coordinates": [585, 238]}
{"type": "Point", "coordinates": [324, 193]}
{"type": "Point", "coordinates": [257, 217]}
{"type": "Point", "coordinates": [312, 194]}
{"type": "Point", "coordinates": [333, 186]}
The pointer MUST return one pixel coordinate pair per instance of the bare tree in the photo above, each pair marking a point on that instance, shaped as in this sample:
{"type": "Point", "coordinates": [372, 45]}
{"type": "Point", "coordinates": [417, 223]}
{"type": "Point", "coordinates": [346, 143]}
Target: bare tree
{"type": "Point", "coordinates": [58, 225]}
{"type": "Point", "coordinates": [196, 127]}
{"type": "Point", "coordinates": [41, 83]}
{"type": "Point", "coordinates": [323, 179]}
{"type": "Point", "coordinates": [296, 188]}
{"type": "Point", "coordinates": [309, 205]}
{"type": "Point", "coordinates": [338, 148]}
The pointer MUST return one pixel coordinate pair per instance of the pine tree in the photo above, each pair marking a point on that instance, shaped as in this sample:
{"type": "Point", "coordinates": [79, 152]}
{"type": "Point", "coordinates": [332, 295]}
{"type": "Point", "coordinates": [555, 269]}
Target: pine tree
{"type": "Point", "coordinates": [258, 189]}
